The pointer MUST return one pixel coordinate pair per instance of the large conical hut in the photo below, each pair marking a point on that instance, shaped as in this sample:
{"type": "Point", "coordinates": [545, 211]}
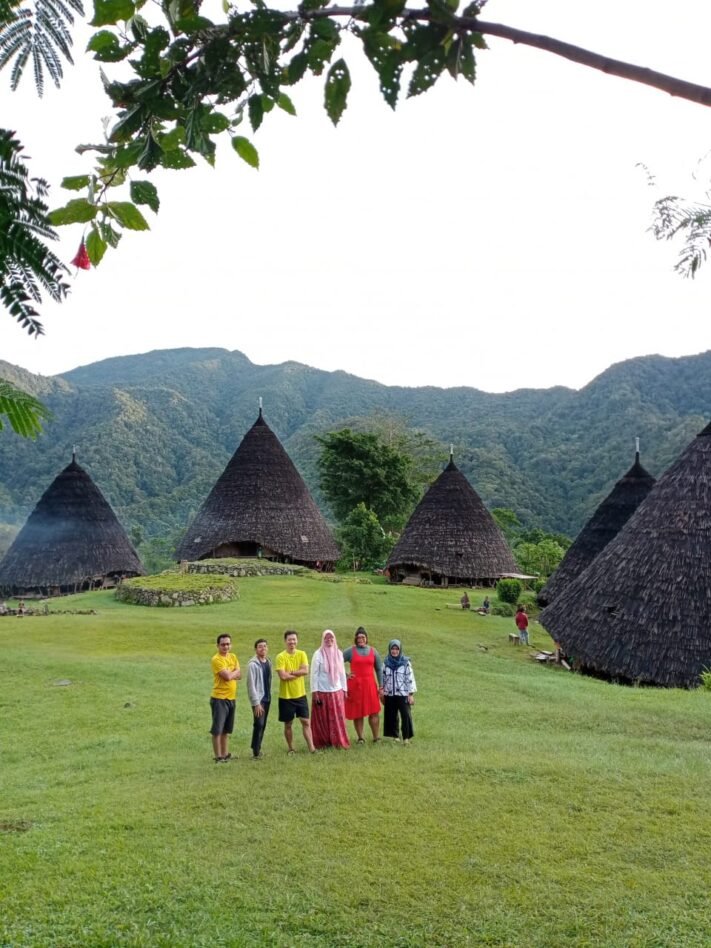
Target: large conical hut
{"type": "Point", "coordinates": [607, 521]}
{"type": "Point", "coordinates": [641, 612]}
{"type": "Point", "coordinates": [71, 542]}
{"type": "Point", "coordinates": [451, 538]}
{"type": "Point", "coordinates": [260, 506]}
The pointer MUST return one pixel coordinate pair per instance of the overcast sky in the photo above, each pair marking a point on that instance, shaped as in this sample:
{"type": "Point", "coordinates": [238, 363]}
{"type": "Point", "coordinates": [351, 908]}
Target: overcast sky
{"type": "Point", "coordinates": [494, 236]}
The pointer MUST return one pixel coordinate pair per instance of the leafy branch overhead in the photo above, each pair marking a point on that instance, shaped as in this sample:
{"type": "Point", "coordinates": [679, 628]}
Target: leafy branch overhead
{"type": "Point", "coordinates": [193, 79]}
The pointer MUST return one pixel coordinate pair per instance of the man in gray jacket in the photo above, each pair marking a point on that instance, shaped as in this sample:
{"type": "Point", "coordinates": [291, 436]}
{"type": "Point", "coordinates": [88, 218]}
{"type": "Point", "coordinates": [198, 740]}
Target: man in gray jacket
{"type": "Point", "coordinates": [259, 689]}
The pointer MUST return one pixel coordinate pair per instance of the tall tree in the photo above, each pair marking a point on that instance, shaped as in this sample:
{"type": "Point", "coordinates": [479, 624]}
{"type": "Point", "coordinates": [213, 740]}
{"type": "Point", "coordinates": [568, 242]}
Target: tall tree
{"type": "Point", "coordinates": [359, 467]}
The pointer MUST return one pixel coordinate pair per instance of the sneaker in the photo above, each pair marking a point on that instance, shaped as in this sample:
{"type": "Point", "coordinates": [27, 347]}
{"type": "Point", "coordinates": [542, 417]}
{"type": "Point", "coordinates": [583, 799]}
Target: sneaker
{"type": "Point", "coordinates": [259, 756]}
{"type": "Point", "coordinates": [406, 741]}
{"type": "Point", "coordinates": [360, 741]}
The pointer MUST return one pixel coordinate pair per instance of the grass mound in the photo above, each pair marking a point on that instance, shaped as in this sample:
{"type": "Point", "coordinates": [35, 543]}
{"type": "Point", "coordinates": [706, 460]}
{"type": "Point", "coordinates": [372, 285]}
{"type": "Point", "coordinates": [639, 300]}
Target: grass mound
{"type": "Point", "coordinates": [177, 589]}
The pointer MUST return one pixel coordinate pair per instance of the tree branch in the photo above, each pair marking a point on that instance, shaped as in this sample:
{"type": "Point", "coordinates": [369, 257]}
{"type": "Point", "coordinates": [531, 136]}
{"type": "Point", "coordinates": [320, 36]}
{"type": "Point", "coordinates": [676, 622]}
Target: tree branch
{"type": "Point", "coordinates": [614, 67]}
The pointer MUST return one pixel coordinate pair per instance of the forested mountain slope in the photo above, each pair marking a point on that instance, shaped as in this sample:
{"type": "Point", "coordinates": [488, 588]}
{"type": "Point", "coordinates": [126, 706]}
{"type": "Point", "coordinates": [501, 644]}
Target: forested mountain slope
{"type": "Point", "coordinates": [156, 430]}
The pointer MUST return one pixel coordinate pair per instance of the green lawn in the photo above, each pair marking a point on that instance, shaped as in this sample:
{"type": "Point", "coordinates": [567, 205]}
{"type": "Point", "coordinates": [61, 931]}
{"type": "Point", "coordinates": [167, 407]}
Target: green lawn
{"type": "Point", "coordinates": [534, 807]}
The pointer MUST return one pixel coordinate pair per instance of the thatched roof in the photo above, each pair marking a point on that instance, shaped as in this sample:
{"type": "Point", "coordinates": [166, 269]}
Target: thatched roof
{"type": "Point", "coordinates": [261, 498]}
{"type": "Point", "coordinates": [642, 610]}
{"type": "Point", "coordinates": [607, 521]}
{"type": "Point", "coordinates": [71, 537]}
{"type": "Point", "coordinates": [452, 534]}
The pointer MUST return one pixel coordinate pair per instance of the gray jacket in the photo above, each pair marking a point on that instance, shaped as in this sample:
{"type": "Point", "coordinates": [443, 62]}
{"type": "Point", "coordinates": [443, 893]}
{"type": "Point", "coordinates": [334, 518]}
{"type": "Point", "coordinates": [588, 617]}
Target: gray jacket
{"type": "Point", "coordinates": [255, 681]}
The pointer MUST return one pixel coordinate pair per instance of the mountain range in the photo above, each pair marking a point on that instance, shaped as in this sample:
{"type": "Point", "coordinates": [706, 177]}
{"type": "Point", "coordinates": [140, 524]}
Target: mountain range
{"type": "Point", "coordinates": [156, 430]}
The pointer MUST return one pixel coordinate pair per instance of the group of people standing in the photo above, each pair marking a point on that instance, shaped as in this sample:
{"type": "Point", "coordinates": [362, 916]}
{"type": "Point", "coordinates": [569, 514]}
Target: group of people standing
{"type": "Point", "coordinates": [336, 697]}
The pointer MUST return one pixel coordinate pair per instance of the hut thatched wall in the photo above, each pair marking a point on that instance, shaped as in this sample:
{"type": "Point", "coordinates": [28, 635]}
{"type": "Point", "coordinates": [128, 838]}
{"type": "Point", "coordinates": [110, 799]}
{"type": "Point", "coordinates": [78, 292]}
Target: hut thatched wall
{"type": "Point", "coordinates": [607, 521]}
{"type": "Point", "coordinates": [260, 504]}
{"type": "Point", "coordinates": [451, 536]}
{"type": "Point", "coordinates": [71, 540]}
{"type": "Point", "coordinates": [641, 612]}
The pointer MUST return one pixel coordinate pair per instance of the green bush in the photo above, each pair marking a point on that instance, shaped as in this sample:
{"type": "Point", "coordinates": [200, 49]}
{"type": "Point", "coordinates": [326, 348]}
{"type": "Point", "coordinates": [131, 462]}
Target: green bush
{"type": "Point", "coordinates": [508, 590]}
{"type": "Point", "coordinates": [503, 609]}
{"type": "Point", "coordinates": [706, 679]}
{"type": "Point", "coordinates": [538, 585]}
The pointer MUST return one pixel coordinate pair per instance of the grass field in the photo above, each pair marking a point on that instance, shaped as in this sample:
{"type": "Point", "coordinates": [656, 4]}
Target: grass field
{"type": "Point", "coordinates": [534, 807]}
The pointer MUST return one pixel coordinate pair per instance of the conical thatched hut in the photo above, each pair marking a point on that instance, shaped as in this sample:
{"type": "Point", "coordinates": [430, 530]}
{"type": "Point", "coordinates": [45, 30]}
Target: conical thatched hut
{"type": "Point", "coordinates": [71, 542]}
{"type": "Point", "coordinates": [641, 612]}
{"type": "Point", "coordinates": [451, 538]}
{"type": "Point", "coordinates": [260, 506]}
{"type": "Point", "coordinates": [607, 521]}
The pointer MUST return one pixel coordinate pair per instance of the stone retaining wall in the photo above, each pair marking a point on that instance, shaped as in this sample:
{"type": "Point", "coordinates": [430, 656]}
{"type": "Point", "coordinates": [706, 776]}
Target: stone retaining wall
{"type": "Point", "coordinates": [258, 569]}
{"type": "Point", "coordinates": [138, 596]}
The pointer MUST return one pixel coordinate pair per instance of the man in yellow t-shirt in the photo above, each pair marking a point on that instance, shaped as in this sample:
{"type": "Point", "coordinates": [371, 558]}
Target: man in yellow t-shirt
{"type": "Point", "coordinates": [292, 667]}
{"type": "Point", "coordinates": [226, 672]}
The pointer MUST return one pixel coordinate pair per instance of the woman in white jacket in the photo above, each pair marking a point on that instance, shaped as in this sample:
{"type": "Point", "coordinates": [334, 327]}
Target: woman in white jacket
{"type": "Point", "coordinates": [398, 693]}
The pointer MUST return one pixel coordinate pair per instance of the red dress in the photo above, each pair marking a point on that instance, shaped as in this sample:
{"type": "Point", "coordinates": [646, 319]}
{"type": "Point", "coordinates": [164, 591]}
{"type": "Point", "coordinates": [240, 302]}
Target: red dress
{"type": "Point", "coordinates": [362, 699]}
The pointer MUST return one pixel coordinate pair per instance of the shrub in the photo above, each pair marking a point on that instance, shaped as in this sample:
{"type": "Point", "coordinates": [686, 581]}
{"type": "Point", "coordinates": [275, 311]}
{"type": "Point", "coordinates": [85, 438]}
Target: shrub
{"type": "Point", "coordinates": [706, 679]}
{"type": "Point", "coordinates": [503, 609]}
{"type": "Point", "coordinates": [508, 590]}
{"type": "Point", "coordinates": [538, 585]}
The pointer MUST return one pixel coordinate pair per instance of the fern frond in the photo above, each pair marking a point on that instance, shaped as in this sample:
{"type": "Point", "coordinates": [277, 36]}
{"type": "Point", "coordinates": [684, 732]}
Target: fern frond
{"type": "Point", "coordinates": [39, 30]}
{"type": "Point", "coordinates": [23, 411]}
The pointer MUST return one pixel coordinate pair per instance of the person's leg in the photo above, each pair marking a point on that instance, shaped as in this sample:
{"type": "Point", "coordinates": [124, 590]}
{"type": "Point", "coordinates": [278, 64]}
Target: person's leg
{"type": "Point", "coordinates": [374, 722]}
{"type": "Point", "coordinates": [358, 725]}
{"type": "Point", "coordinates": [289, 735]}
{"type": "Point", "coordinates": [306, 728]}
{"type": "Point", "coordinates": [391, 726]}
{"type": "Point", "coordinates": [258, 725]}
{"type": "Point", "coordinates": [406, 716]}
{"type": "Point", "coordinates": [263, 719]}
{"type": "Point", "coordinates": [216, 753]}
{"type": "Point", "coordinates": [223, 740]}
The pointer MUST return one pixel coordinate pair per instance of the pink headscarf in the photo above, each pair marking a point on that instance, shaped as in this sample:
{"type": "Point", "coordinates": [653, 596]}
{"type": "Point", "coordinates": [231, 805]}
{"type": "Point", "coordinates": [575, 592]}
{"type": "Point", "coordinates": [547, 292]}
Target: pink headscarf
{"type": "Point", "coordinates": [332, 658]}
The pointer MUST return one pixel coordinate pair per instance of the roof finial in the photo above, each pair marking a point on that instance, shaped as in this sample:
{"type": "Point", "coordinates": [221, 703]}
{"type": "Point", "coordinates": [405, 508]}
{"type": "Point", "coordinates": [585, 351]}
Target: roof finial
{"type": "Point", "coordinates": [636, 449]}
{"type": "Point", "coordinates": [451, 453]}
{"type": "Point", "coordinates": [260, 406]}
{"type": "Point", "coordinates": [74, 454]}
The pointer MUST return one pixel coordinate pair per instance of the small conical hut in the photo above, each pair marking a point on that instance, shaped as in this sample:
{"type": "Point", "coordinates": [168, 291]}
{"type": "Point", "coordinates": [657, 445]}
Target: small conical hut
{"type": "Point", "coordinates": [607, 521]}
{"type": "Point", "coordinates": [260, 506]}
{"type": "Point", "coordinates": [71, 542]}
{"type": "Point", "coordinates": [641, 612]}
{"type": "Point", "coordinates": [451, 538]}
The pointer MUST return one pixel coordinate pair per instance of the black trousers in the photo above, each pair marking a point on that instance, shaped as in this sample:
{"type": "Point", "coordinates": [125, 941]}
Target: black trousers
{"type": "Point", "coordinates": [396, 710]}
{"type": "Point", "coordinates": [258, 729]}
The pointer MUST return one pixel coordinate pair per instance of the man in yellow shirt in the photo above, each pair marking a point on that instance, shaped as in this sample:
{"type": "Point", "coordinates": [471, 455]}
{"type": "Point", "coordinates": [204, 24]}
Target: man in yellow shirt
{"type": "Point", "coordinates": [292, 667]}
{"type": "Point", "coordinates": [226, 672]}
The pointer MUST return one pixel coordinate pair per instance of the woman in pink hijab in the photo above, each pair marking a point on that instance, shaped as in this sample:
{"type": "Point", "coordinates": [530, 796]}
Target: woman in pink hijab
{"type": "Point", "coordinates": [328, 693]}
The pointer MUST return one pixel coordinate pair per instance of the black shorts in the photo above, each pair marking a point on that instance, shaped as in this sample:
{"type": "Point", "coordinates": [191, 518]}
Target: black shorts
{"type": "Point", "coordinates": [290, 708]}
{"type": "Point", "coordinates": [223, 715]}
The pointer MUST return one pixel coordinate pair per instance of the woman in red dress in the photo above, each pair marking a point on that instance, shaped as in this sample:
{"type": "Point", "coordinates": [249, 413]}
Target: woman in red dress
{"type": "Point", "coordinates": [363, 699]}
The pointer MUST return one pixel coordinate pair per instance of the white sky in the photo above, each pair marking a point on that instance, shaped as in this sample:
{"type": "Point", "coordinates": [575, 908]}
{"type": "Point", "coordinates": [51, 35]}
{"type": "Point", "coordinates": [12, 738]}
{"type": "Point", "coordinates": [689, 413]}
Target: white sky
{"type": "Point", "coordinates": [493, 236]}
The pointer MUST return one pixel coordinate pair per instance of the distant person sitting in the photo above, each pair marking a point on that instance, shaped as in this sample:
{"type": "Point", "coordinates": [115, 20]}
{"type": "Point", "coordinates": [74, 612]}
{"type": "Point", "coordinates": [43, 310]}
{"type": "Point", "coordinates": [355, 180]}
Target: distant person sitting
{"type": "Point", "coordinates": [522, 624]}
{"type": "Point", "coordinates": [485, 608]}
{"type": "Point", "coordinates": [465, 602]}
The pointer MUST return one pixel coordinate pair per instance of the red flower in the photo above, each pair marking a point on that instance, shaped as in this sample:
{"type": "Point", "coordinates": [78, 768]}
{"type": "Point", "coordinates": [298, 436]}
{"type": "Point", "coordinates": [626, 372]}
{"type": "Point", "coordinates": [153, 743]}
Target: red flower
{"type": "Point", "coordinates": [82, 258]}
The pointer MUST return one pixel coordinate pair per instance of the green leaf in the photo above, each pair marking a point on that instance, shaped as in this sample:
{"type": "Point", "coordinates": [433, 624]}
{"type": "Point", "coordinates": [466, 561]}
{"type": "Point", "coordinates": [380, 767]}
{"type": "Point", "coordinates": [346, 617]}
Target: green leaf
{"type": "Point", "coordinates": [127, 215]}
{"type": "Point", "coordinates": [460, 59]}
{"type": "Point", "coordinates": [172, 139]}
{"type": "Point", "coordinates": [107, 47]}
{"type": "Point", "coordinates": [256, 111]}
{"type": "Point", "coordinates": [285, 103]}
{"type": "Point", "coordinates": [108, 233]}
{"type": "Point", "coordinates": [215, 122]}
{"type": "Point", "coordinates": [338, 84]}
{"type": "Point", "coordinates": [75, 183]}
{"type": "Point", "coordinates": [110, 12]}
{"type": "Point", "coordinates": [177, 159]}
{"type": "Point", "coordinates": [246, 150]}
{"type": "Point", "coordinates": [144, 192]}
{"type": "Point", "coordinates": [296, 69]}
{"type": "Point", "coordinates": [427, 71]}
{"type": "Point", "coordinates": [78, 211]}
{"type": "Point", "coordinates": [325, 29]}
{"type": "Point", "coordinates": [318, 54]}
{"type": "Point", "coordinates": [95, 245]}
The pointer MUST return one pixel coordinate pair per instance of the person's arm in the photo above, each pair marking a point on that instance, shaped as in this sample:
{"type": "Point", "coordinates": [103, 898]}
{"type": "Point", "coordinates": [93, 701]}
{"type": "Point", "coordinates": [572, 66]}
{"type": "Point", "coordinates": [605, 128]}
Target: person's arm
{"type": "Point", "coordinates": [348, 654]}
{"type": "Point", "coordinates": [315, 670]}
{"type": "Point", "coordinates": [253, 689]}
{"type": "Point", "coordinates": [378, 668]}
{"type": "Point", "coordinates": [342, 677]}
{"type": "Point", "coordinates": [412, 686]}
{"type": "Point", "coordinates": [283, 674]}
{"type": "Point", "coordinates": [303, 668]}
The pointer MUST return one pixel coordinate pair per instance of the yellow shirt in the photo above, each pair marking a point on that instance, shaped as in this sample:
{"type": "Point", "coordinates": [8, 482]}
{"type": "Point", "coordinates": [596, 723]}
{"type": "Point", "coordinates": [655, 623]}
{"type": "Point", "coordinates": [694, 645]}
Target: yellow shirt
{"type": "Point", "coordinates": [222, 688]}
{"type": "Point", "coordinates": [296, 687]}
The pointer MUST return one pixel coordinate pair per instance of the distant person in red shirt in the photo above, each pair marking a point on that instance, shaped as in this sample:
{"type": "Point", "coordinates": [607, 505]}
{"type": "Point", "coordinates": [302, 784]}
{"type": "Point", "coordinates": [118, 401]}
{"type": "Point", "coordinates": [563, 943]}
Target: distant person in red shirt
{"type": "Point", "coordinates": [522, 624]}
